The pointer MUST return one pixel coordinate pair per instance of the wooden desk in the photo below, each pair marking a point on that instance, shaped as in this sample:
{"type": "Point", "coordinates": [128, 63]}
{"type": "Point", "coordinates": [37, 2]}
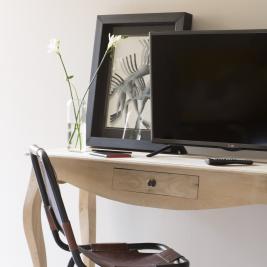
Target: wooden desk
{"type": "Point", "coordinates": [176, 182]}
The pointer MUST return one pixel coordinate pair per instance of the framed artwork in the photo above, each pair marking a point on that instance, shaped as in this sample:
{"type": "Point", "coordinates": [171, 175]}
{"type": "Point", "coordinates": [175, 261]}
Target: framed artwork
{"type": "Point", "coordinates": [119, 109]}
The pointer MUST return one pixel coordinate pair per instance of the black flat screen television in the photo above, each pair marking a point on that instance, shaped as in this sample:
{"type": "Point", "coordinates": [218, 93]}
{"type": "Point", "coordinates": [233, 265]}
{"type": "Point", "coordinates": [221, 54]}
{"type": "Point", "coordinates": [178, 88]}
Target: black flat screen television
{"type": "Point", "coordinates": [209, 88]}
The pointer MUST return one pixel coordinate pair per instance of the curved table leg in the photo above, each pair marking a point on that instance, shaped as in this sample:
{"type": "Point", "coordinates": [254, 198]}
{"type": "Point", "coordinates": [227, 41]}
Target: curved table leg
{"type": "Point", "coordinates": [88, 219]}
{"type": "Point", "coordinates": [32, 224]}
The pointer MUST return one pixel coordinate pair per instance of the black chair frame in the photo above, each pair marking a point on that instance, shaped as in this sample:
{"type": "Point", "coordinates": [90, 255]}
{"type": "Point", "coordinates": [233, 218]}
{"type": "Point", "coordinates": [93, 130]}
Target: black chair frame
{"type": "Point", "coordinates": [59, 222]}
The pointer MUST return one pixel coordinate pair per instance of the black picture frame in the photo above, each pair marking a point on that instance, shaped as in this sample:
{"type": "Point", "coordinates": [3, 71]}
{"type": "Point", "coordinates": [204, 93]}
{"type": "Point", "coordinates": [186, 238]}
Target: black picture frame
{"type": "Point", "coordinates": [121, 24]}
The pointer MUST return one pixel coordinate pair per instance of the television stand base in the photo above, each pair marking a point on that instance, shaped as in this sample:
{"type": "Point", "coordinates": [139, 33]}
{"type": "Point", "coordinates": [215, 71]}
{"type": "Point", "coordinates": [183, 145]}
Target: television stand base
{"type": "Point", "coordinates": [173, 149]}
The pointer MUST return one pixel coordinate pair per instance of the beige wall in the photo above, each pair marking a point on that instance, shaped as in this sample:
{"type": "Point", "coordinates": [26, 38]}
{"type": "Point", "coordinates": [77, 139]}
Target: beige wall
{"type": "Point", "coordinates": [32, 110]}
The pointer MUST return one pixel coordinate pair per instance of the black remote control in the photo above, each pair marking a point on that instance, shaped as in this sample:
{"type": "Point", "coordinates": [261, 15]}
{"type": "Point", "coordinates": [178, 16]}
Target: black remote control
{"type": "Point", "coordinates": [227, 161]}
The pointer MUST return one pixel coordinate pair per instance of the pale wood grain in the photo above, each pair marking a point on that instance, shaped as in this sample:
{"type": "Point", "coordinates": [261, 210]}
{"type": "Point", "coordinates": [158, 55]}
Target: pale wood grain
{"type": "Point", "coordinates": [164, 160]}
{"type": "Point", "coordinates": [168, 184]}
{"type": "Point", "coordinates": [217, 189]}
{"type": "Point", "coordinates": [212, 187]}
{"type": "Point", "coordinates": [32, 224]}
{"type": "Point", "coordinates": [87, 220]}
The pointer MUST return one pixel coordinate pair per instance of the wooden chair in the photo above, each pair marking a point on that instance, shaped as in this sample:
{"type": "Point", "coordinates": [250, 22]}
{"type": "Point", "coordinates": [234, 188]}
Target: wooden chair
{"type": "Point", "coordinates": [105, 255]}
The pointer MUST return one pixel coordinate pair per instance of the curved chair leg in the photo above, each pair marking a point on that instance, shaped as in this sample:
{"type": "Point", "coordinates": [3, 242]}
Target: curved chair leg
{"type": "Point", "coordinates": [71, 262]}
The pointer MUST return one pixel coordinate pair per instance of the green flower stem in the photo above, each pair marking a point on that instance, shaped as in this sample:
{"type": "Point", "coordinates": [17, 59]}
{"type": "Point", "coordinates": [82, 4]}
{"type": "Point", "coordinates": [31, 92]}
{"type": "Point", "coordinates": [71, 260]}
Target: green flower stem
{"type": "Point", "coordinates": [67, 78]}
{"type": "Point", "coordinates": [78, 118]}
{"type": "Point", "coordinates": [71, 94]}
{"type": "Point", "coordinates": [93, 78]}
{"type": "Point", "coordinates": [78, 139]}
{"type": "Point", "coordinates": [76, 94]}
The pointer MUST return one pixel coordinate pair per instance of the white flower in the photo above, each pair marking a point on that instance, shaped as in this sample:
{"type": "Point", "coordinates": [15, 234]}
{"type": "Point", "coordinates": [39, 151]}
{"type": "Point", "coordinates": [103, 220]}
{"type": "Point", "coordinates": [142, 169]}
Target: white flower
{"type": "Point", "coordinates": [53, 46]}
{"type": "Point", "coordinates": [113, 40]}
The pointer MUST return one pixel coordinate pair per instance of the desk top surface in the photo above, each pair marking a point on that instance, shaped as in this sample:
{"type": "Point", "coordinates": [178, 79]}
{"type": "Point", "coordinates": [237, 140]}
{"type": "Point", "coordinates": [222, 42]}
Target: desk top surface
{"type": "Point", "coordinates": [163, 160]}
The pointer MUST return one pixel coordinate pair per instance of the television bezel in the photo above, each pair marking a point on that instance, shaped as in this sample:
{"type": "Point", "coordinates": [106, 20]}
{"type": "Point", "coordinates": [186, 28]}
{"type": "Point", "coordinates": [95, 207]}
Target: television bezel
{"type": "Point", "coordinates": [227, 146]}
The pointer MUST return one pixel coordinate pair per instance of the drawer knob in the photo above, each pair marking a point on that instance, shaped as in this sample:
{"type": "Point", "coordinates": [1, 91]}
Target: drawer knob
{"type": "Point", "coordinates": [152, 182]}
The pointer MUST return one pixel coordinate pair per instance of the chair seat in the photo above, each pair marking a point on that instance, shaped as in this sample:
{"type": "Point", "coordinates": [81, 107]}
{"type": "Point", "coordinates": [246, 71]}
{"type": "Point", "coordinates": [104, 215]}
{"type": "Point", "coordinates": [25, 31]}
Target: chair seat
{"type": "Point", "coordinates": [122, 255]}
{"type": "Point", "coordinates": [105, 255]}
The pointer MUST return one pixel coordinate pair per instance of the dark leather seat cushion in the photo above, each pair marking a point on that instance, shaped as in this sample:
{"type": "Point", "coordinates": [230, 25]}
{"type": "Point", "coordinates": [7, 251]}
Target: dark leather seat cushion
{"type": "Point", "coordinates": [119, 255]}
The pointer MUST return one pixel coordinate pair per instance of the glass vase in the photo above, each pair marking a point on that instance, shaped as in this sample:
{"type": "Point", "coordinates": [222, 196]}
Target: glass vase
{"type": "Point", "coordinates": [76, 125]}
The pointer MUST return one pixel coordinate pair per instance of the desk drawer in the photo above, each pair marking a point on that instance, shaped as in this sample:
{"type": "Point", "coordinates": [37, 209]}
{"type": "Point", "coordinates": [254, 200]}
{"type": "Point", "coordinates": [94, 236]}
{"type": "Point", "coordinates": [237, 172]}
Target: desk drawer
{"type": "Point", "coordinates": [160, 183]}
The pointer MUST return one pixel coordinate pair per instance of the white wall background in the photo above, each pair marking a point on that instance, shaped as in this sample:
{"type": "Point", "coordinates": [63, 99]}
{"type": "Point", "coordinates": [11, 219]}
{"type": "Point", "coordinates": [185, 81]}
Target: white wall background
{"type": "Point", "coordinates": [33, 95]}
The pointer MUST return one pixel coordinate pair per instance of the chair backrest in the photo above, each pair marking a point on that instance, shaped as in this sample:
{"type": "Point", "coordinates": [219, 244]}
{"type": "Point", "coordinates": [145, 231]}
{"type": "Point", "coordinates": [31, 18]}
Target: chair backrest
{"type": "Point", "coordinates": [51, 196]}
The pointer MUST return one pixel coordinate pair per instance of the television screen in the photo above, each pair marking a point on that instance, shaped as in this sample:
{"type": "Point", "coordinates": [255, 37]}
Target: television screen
{"type": "Point", "coordinates": [210, 88]}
